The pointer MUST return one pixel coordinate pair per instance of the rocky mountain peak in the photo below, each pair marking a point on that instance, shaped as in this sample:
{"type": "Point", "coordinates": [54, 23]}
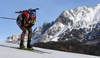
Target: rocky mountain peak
{"type": "Point", "coordinates": [98, 5]}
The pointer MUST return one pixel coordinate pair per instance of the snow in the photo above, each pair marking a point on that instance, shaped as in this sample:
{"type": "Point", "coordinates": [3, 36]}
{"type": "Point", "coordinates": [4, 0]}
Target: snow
{"type": "Point", "coordinates": [6, 51]}
{"type": "Point", "coordinates": [83, 16]}
{"type": "Point", "coordinates": [97, 15]}
{"type": "Point", "coordinates": [34, 40]}
{"type": "Point", "coordinates": [55, 39]}
{"type": "Point", "coordinates": [58, 27]}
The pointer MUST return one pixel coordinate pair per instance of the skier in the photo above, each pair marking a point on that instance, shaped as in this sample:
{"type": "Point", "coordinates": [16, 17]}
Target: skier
{"type": "Point", "coordinates": [25, 21]}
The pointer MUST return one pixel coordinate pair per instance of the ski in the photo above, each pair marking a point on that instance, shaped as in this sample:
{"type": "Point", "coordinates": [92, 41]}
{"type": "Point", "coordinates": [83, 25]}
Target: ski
{"type": "Point", "coordinates": [40, 51]}
{"type": "Point", "coordinates": [36, 51]}
{"type": "Point", "coordinates": [27, 10]}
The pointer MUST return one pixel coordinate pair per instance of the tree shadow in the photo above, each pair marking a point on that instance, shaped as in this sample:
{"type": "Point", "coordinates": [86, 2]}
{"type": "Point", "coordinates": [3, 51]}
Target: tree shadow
{"type": "Point", "coordinates": [7, 46]}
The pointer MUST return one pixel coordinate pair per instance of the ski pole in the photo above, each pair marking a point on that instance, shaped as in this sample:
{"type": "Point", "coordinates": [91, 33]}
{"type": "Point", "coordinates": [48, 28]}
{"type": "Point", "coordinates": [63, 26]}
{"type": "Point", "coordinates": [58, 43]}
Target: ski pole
{"type": "Point", "coordinates": [8, 18]}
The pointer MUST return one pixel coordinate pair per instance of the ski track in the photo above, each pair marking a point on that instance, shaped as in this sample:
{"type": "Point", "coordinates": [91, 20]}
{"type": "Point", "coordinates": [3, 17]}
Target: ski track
{"type": "Point", "coordinates": [7, 51]}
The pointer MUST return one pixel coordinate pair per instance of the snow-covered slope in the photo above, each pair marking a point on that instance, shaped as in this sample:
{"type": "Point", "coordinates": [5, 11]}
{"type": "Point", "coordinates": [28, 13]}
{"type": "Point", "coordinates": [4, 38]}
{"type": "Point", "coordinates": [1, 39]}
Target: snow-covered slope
{"type": "Point", "coordinates": [8, 50]}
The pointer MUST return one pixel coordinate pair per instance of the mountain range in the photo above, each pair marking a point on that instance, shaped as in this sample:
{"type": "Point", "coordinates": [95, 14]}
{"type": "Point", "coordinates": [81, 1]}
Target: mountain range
{"type": "Point", "coordinates": [80, 24]}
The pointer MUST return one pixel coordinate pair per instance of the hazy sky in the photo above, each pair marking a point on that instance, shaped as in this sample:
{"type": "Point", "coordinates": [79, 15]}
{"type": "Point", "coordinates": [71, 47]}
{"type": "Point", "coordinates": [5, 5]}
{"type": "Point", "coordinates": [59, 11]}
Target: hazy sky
{"type": "Point", "coordinates": [49, 11]}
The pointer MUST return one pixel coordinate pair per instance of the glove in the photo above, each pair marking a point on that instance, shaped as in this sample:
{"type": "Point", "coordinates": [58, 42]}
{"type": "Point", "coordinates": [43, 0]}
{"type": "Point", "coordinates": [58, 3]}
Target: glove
{"type": "Point", "coordinates": [29, 26]}
{"type": "Point", "coordinates": [33, 22]}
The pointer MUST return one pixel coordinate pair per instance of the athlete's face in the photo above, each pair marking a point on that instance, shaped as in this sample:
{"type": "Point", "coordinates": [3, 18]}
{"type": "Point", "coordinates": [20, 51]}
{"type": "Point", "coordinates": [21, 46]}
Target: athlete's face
{"type": "Point", "coordinates": [32, 16]}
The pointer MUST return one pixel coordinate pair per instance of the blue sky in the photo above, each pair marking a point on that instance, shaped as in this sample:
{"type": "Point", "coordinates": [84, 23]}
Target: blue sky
{"type": "Point", "coordinates": [49, 11]}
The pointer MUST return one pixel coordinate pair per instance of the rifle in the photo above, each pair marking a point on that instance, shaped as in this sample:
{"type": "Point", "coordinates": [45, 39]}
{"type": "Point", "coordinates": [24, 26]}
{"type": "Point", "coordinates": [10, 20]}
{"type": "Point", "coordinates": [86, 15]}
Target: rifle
{"type": "Point", "coordinates": [27, 10]}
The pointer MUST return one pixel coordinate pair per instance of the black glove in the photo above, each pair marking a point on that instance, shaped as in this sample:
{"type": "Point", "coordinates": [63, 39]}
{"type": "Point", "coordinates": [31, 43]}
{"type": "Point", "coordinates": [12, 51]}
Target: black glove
{"type": "Point", "coordinates": [29, 26]}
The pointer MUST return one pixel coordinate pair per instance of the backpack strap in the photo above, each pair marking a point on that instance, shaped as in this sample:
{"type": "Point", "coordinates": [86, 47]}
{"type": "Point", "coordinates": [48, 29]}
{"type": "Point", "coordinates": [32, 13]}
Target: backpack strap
{"type": "Point", "coordinates": [26, 13]}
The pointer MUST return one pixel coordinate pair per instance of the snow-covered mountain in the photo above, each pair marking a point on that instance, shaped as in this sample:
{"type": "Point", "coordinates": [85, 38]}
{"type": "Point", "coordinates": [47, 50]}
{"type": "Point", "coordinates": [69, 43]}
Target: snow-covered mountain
{"type": "Point", "coordinates": [84, 19]}
{"type": "Point", "coordinates": [85, 23]}
{"type": "Point", "coordinates": [15, 38]}
{"type": "Point", "coordinates": [81, 23]}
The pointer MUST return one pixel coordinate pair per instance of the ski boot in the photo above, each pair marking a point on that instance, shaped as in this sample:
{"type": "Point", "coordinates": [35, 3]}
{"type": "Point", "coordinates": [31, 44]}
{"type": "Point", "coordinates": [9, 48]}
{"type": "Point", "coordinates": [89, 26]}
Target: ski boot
{"type": "Point", "coordinates": [22, 47]}
{"type": "Point", "coordinates": [29, 47]}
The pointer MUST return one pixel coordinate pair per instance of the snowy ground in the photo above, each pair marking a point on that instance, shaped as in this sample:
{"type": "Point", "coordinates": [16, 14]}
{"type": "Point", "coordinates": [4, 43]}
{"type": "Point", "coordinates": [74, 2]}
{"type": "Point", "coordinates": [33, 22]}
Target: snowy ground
{"type": "Point", "coordinates": [7, 51]}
